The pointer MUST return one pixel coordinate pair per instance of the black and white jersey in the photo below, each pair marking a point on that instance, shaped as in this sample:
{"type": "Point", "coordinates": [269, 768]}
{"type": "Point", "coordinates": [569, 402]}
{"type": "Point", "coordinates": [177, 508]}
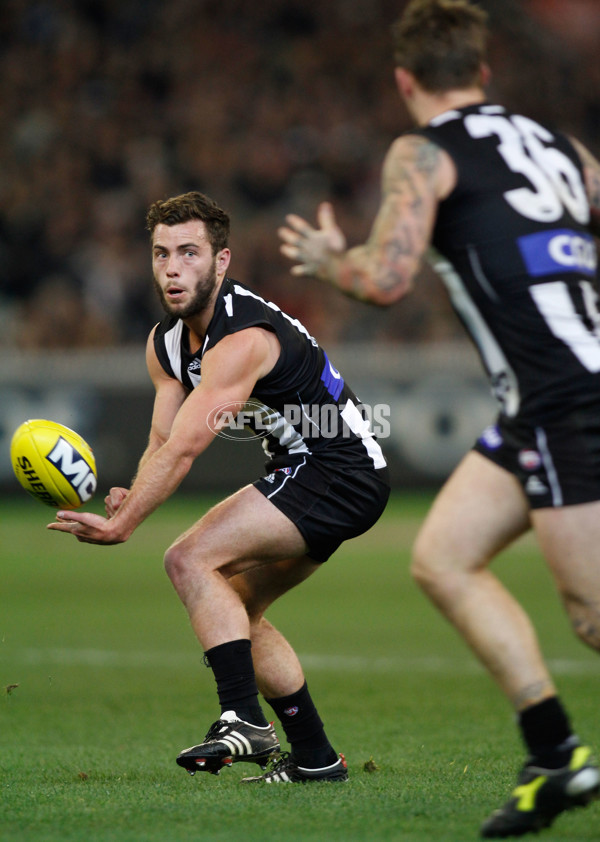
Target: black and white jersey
{"type": "Point", "coordinates": [302, 406]}
{"type": "Point", "coordinates": [512, 244]}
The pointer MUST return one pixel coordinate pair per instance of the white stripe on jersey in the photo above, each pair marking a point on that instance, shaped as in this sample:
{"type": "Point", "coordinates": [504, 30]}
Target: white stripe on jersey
{"type": "Point", "coordinates": [172, 340]}
{"type": "Point", "coordinates": [275, 424]}
{"type": "Point", "coordinates": [554, 302]}
{"type": "Point", "coordinates": [504, 381]}
{"type": "Point", "coordinates": [445, 118]}
{"type": "Point", "coordinates": [173, 347]}
{"type": "Point", "coordinates": [542, 446]}
{"type": "Point", "coordinates": [361, 428]}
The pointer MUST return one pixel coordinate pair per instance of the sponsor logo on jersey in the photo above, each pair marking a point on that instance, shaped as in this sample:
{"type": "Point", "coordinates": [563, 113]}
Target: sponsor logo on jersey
{"type": "Point", "coordinates": [560, 250]}
{"type": "Point", "coordinates": [530, 460]}
{"type": "Point", "coordinates": [195, 365]}
{"type": "Point", "coordinates": [491, 438]}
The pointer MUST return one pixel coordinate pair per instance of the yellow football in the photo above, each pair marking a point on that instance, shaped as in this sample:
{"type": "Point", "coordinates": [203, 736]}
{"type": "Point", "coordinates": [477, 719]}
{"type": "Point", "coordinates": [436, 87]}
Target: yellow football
{"type": "Point", "coordinates": [53, 463]}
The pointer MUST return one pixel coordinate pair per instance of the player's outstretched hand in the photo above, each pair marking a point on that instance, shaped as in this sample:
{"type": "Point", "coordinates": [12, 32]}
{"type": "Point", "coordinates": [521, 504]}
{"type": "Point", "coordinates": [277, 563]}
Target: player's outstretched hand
{"type": "Point", "coordinates": [87, 527]}
{"type": "Point", "coordinates": [316, 251]}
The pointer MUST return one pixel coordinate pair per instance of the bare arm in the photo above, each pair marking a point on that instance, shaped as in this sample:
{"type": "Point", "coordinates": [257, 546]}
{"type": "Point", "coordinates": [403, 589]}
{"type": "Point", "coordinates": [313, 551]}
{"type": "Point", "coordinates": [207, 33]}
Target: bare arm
{"type": "Point", "coordinates": [591, 176]}
{"type": "Point", "coordinates": [169, 396]}
{"type": "Point", "coordinates": [416, 175]}
{"type": "Point", "coordinates": [229, 372]}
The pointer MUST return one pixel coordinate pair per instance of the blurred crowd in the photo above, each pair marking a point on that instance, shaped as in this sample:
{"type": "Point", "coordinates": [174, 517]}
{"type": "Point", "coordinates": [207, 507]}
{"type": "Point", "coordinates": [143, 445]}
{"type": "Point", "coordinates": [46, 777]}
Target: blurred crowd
{"type": "Point", "coordinates": [269, 107]}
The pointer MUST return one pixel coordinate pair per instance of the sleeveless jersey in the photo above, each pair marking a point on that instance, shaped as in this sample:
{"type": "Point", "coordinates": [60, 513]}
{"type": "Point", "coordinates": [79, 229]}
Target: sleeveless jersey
{"type": "Point", "coordinates": [511, 244]}
{"type": "Point", "coordinates": [302, 406]}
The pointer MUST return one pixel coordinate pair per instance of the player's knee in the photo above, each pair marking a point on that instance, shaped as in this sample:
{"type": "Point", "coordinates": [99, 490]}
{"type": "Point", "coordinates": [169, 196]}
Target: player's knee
{"type": "Point", "coordinates": [177, 564]}
{"type": "Point", "coordinates": [438, 572]}
{"type": "Point", "coordinates": [585, 619]}
{"type": "Point", "coordinates": [420, 572]}
{"type": "Point", "coordinates": [423, 568]}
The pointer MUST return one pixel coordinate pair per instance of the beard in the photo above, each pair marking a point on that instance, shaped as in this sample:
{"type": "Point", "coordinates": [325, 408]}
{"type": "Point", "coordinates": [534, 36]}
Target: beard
{"type": "Point", "coordinates": [200, 298]}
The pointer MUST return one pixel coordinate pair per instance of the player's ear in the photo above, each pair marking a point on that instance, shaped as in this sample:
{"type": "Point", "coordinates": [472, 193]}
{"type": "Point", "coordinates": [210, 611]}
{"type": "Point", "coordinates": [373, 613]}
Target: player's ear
{"type": "Point", "coordinates": [222, 259]}
{"type": "Point", "coordinates": [405, 82]}
{"type": "Point", "coordinates": [485, 74]}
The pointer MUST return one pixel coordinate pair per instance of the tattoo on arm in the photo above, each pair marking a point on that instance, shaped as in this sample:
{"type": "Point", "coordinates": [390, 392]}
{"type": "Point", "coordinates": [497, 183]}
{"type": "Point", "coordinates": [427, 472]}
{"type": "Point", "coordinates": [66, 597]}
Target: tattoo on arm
{"type": "Point", "coordinates": [402, 229]}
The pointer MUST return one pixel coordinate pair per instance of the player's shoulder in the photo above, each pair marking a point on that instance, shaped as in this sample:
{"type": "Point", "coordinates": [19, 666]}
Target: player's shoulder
{"type": "Point", "coordinates": [243, 293]}
{"type": "Point", "coordinates": [239, 305]}
{"type": "Point", "coordinates": [162, 328]}
{"type": "Point", "coordinates": [421, 160]}
{"type": "Point", "coordinates": [237, 308]}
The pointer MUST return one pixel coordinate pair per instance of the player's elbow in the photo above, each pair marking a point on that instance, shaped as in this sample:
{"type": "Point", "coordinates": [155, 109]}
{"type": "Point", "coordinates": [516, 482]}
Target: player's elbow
{"type": "Point", "coordinates": [384, 276]}
{"type": "Point", "coordinates": [384, 295]}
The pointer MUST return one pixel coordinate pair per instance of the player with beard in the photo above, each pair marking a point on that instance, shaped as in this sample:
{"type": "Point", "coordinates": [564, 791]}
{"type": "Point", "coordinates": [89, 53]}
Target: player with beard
{"type": "Point", "coordinates": [220, 345]}
{"type": "Point", "coordinates": [199, 299]}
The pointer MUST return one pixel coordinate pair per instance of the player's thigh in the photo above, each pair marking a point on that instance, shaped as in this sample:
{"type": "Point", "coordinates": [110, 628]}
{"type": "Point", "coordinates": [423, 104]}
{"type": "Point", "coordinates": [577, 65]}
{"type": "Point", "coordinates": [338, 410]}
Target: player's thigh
{"type": "Point", "coordinates": [478, 512]}
{"type": "Point", "coordinates": [242, 531]}
{"type": "Point", "coordinates": [570, 540]}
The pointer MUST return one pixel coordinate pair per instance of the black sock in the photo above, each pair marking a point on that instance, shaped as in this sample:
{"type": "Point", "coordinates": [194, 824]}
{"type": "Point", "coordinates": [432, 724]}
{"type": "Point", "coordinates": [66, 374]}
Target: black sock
{"type": "Point", "coordinates": [233, 669]}
{"type": "Point", "coordinates": [547, 733]}
{"type": "Point", "coordinates": [304, 729]}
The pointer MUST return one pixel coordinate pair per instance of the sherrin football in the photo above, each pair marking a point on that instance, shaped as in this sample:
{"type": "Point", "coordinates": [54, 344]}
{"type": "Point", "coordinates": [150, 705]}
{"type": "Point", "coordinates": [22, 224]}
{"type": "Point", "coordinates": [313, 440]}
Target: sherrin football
{"type": "Point", "coordinates": [53, 463]}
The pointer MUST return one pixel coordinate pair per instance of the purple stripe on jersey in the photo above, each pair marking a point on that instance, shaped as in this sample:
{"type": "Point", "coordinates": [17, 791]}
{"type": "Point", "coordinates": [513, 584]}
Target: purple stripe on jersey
{"type": "Point", "coordinates": [332, 379]}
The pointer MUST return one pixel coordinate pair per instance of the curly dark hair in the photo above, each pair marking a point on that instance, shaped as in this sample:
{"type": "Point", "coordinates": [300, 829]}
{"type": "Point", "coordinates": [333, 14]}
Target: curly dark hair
{"type": "Point", "coordinates": [192, 205]}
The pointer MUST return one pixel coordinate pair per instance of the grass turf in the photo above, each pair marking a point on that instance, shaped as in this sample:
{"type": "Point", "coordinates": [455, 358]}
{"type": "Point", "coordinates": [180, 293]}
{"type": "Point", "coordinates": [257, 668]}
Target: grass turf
{"type": "Point", "coordinates": [101, 684]}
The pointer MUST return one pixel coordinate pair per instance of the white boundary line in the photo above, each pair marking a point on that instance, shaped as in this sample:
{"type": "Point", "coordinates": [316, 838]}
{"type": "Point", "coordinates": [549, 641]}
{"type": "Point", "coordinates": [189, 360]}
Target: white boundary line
{"type": "Point", "coordinates": [100, 658]}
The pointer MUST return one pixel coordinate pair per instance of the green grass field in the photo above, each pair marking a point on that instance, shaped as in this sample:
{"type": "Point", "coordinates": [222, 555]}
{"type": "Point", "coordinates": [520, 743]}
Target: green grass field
{"type": "Point", "coordinates": [102, 685]}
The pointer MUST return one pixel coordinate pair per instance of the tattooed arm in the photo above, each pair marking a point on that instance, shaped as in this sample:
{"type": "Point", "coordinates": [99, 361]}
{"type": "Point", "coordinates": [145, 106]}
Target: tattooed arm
{"type": "Point", "coordinates": [591, 174]}
{"type": "Point", "coordinates": [416, 175]}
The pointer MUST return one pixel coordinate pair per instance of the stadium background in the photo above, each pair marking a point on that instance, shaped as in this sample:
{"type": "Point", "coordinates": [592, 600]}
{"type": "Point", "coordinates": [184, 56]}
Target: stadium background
{"type": "Point", "coordinates": [268, 107]}
{"type": "Point", "coordinates": [106, 105]}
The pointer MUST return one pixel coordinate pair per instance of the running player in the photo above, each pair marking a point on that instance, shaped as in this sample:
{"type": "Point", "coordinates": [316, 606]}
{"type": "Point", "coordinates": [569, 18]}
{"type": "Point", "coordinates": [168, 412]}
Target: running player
{"type": "Point", "coordinates": [508, 206]}
{"type": "Point", "coordinates": [222, 349]}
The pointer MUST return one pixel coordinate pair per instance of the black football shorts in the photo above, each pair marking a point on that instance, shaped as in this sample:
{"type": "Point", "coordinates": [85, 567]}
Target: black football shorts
{"type": "Point", "coordinates": [557, 464]}
{"type": "Point", "coordinates": [328, 503]}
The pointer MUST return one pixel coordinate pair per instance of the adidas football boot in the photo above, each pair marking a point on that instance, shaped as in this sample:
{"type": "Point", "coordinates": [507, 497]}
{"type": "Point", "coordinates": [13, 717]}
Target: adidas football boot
{"type": "Point", "coordinates": [542, 794]}
{"type": "Point", "coordinates": [228, 741]}
{"type": "Point", "coordinates": [285, 770]}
